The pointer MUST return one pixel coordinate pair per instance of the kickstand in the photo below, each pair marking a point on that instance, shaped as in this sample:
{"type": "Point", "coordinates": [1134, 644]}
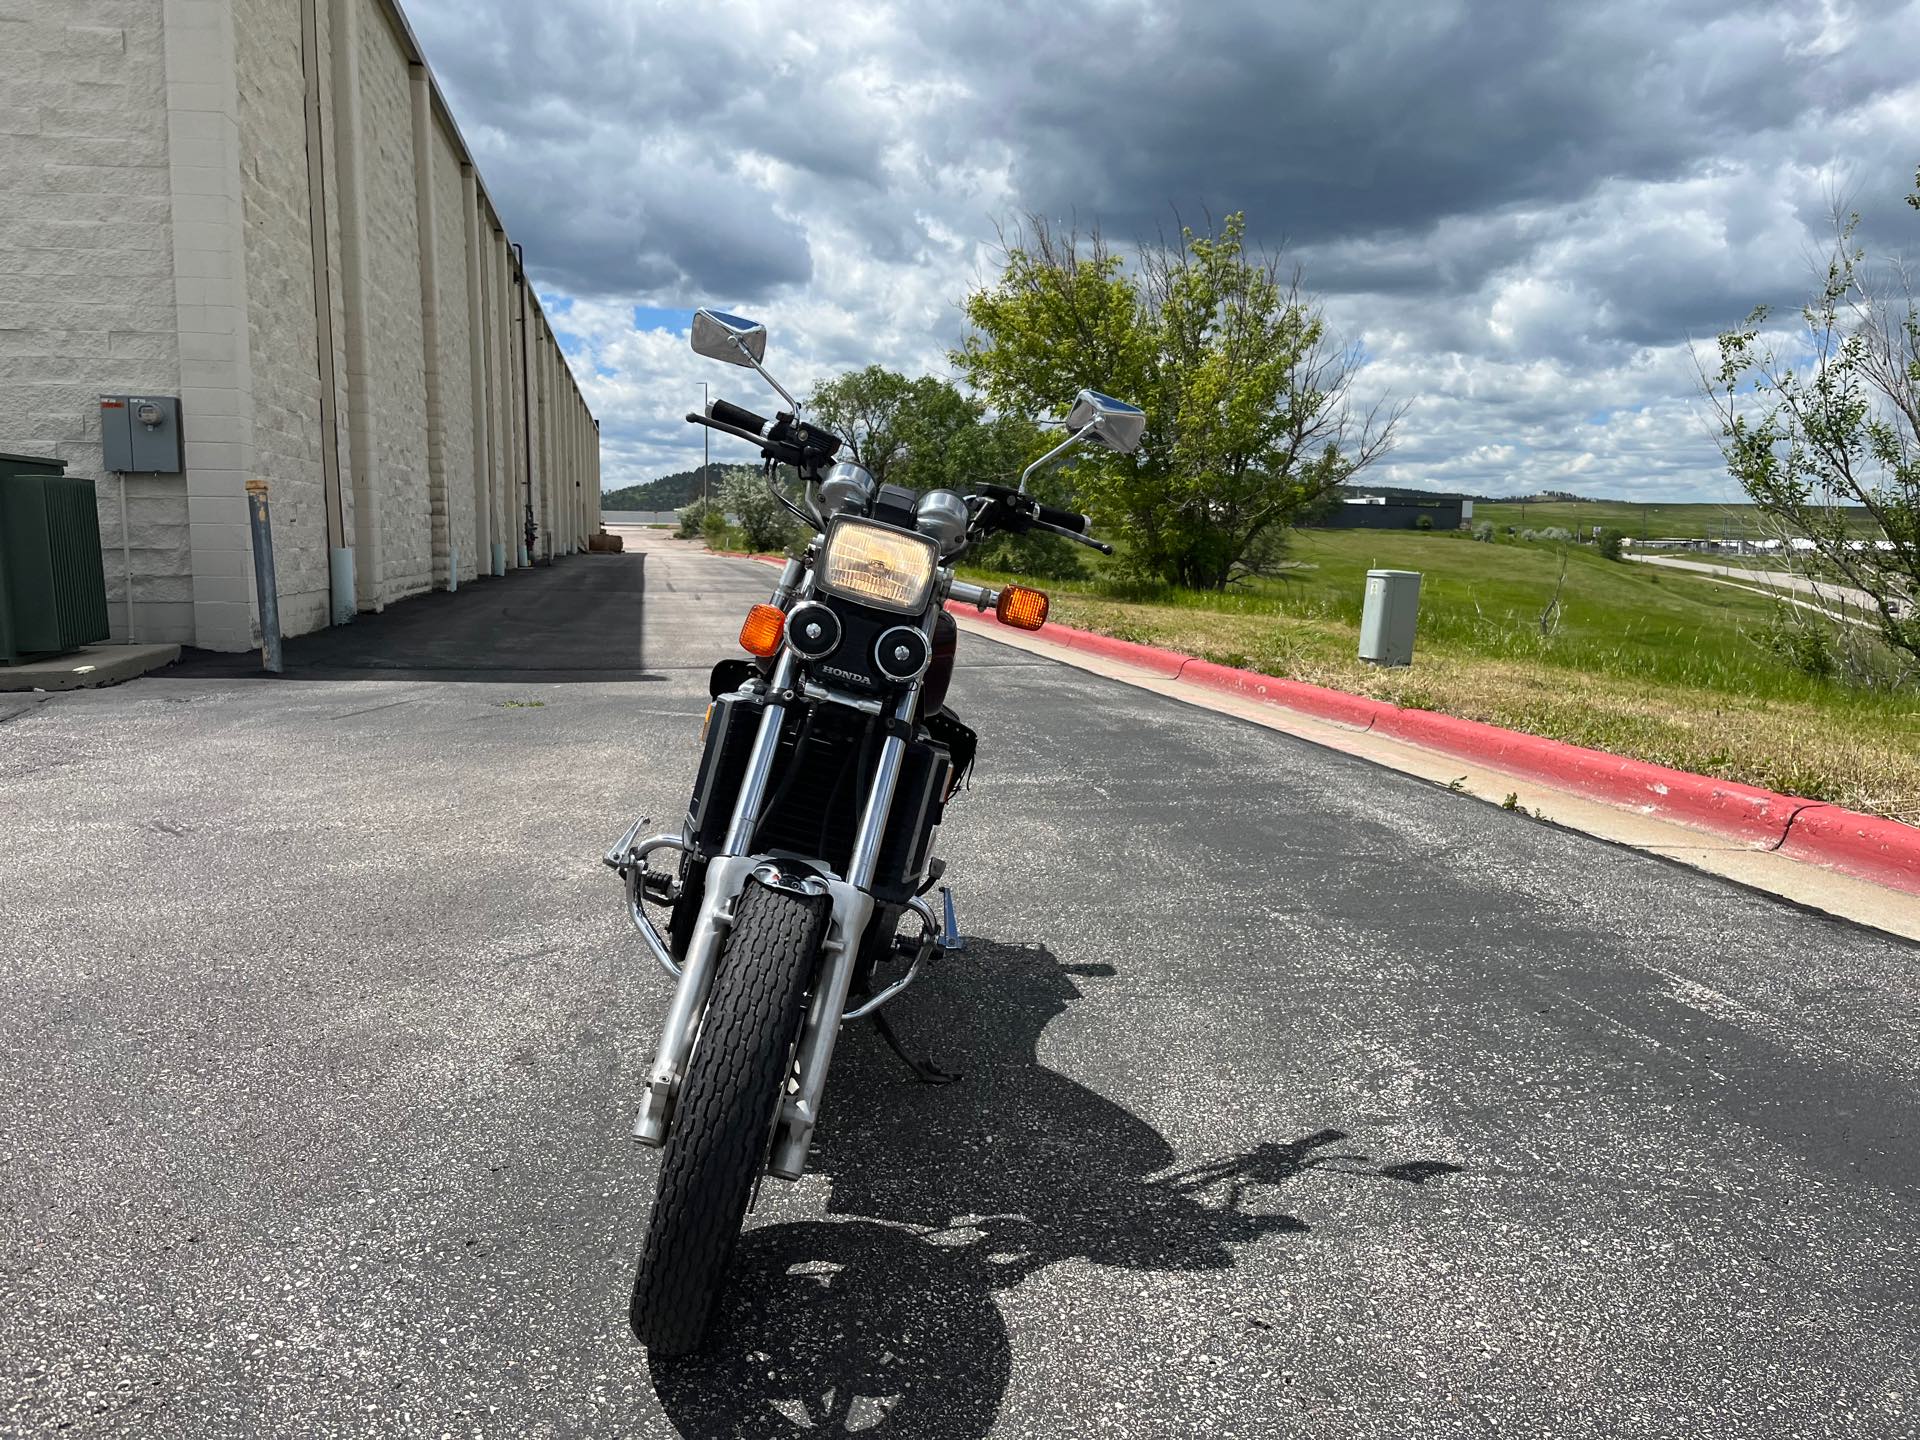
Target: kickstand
{"type": "Point", "coordinates": [924, 1070]}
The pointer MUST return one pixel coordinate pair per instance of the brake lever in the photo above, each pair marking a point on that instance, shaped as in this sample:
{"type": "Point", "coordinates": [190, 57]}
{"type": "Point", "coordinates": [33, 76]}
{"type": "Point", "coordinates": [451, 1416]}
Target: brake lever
{"type": "Point", "coordinates": [1074, 535]}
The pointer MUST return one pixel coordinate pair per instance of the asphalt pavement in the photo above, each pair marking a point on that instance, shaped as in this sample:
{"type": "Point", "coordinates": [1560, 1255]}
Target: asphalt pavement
{"type": "Point", "coordinates": [1302, 1098]}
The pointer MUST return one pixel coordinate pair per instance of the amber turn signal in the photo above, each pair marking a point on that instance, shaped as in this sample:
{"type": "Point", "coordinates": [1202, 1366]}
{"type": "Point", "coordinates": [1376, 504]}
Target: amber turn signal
{"type": "Point", "coordinates": [763, 630]}
{"type": "Point", "coordinates": [1022, 608]}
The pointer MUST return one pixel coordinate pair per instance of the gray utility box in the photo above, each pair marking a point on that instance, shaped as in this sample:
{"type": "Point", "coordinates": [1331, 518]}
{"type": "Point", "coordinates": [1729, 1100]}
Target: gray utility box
{"type": "Point", "coordinates": [1388, 616]}
{"type": "Point", "coordinates": [140, 434]}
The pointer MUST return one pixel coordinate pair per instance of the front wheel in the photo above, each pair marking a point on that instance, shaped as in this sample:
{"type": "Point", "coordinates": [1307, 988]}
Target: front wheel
{"type": "Point", "coordinates": [724, 1116]}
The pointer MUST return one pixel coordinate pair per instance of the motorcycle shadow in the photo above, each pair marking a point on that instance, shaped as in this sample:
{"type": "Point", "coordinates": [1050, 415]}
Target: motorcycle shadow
{"type": "Point", "coordinates": [885, 1324]}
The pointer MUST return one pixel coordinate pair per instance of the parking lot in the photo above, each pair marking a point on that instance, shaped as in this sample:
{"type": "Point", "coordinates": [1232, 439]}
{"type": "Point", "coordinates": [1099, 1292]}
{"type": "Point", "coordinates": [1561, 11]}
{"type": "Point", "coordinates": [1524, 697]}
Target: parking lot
{"type": "Point", "coordinates": [1301, 1097]}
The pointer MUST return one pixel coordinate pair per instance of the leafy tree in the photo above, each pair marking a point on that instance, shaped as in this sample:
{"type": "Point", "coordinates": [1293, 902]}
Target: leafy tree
{"type": "Point", "coordinates": [1836, 426]}
{"type": "Point", "coordinates": [1249, 423]}
{"type": "Point", "coordinates": [864, 408]}
{"type": "Point", "coordinates": [926, 435]}
{"type": "Point", "coordinates": [765, 524]}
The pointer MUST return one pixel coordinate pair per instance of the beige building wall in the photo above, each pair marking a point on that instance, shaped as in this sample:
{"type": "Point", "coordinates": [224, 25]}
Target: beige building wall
{"type": "Point", "coordinates": [264, 207]}
{"type": "Point", "coordinates": [86, 290]}
{"type": "Point", "coordinates": [283, 331]}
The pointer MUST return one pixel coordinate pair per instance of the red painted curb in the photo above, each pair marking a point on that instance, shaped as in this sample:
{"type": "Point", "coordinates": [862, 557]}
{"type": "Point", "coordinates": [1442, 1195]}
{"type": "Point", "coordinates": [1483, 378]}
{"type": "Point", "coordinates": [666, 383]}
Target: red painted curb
{"type": "Point", "coordinates": [1862, 844]}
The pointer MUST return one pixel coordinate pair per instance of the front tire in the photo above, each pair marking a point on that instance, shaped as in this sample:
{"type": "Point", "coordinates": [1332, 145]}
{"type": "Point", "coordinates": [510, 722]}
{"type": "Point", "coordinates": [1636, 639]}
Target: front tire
{"type": "Point", "coordinates": [725, 1112]}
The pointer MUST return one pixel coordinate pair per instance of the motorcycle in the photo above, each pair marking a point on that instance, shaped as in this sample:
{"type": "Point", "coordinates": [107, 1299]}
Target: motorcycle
{"type": "Point", "coordinates": [828, 760]}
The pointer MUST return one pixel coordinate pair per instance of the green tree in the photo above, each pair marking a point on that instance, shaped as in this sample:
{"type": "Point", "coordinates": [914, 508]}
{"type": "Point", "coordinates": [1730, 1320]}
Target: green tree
{"type": "Point", "coordinates": [863, 407]}
{"type": "Point", "coordinates": [1834, 429]}
{"type": "Point", "coordinates": [926, 434]}
{"type": "Point", "coordinates": [1249, 420]}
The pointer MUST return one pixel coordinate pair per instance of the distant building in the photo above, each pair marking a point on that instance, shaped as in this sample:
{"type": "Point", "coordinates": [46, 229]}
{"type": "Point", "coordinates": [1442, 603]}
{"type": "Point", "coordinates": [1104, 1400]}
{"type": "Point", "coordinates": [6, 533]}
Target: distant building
{"type": "Point", "coordinates": [1391, 509]}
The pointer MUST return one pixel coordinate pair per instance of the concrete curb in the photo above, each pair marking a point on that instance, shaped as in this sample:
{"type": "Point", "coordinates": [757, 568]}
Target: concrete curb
{"type": "Point", "coordinates": [1883, 851]}
{"type": "Point", "coordinates": [87, 667]}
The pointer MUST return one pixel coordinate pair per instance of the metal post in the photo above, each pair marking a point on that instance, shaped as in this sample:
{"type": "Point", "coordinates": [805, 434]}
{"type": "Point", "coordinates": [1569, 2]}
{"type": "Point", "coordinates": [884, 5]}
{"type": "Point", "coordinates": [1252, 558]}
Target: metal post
{"type": "Point", "coordinates": [126, 556]}
{"type": "Point", "coordinates": [264, 583]}
{"type": "Point", "coordinates": [706, 455]}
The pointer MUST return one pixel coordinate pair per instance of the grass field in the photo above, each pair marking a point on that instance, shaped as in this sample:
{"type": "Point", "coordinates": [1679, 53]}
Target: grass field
{"type": "Point", "coordinates": [1640, 661]}
{"type": "Point", "coordinates": [1643, 522]}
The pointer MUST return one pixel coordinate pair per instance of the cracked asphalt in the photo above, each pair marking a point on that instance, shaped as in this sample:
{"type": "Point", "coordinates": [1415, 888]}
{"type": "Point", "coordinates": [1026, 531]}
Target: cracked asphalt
{"type": "Point", "coordinates": [1302, 1098]}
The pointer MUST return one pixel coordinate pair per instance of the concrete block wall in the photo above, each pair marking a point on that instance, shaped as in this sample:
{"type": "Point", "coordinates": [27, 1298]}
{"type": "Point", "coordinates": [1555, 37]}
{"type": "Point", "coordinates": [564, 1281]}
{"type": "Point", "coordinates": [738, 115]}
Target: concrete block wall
{"type": "Point", "coordinates": [455, 363]}
{"type": "Point", "coordinates": [157, 202]}
{"type": "Point", "coordinates": [396, 346]}
{"type": "Point", "coordinates": [282, 321]}
{"type": "Point", "coordinates": [86, 290]}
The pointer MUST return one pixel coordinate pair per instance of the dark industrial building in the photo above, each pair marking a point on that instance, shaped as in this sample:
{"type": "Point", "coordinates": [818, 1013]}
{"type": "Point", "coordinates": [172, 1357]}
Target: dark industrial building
{"type": "Point", "coordinates": [1389, 509]}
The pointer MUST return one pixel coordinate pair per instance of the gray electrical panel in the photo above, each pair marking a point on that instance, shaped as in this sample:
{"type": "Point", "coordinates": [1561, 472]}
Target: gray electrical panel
{"type": "Point", "coordinates": [141, 433]}
{"type": "Point", "coordinates": [1388, 616]}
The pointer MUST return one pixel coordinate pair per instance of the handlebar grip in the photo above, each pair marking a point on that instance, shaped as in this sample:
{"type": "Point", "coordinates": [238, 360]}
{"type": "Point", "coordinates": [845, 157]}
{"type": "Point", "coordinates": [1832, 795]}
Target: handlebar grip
{"type": "Point", "coordinates": [1064, 519]}
{"type": "Point", "coordinates": [728, 413]}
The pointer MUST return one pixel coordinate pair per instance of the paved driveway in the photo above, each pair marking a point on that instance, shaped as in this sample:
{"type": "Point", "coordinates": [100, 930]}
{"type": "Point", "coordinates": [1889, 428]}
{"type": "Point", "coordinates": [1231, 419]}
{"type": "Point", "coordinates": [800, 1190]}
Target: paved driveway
{"type": "Point", "coordinates": [1302, 1098]}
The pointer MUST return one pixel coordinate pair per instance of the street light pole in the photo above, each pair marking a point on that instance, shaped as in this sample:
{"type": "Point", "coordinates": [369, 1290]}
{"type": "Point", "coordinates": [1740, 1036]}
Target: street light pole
{"type": "Point", "coordinates": [704, 462]}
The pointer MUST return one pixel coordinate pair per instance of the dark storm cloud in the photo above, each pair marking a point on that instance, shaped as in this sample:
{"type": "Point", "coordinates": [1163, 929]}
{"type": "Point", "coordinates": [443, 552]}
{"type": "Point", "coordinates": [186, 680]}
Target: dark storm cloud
{"type": "Point", "coordinates": [1512, 204]}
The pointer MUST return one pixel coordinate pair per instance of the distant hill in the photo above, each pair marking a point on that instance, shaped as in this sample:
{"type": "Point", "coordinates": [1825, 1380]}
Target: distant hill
{"type": "Point", "coordinates": [669, 492]}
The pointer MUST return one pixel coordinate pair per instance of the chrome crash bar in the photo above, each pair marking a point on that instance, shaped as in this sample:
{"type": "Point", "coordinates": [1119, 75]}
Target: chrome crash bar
{"type": "Point", "coordinates": [629, 858]}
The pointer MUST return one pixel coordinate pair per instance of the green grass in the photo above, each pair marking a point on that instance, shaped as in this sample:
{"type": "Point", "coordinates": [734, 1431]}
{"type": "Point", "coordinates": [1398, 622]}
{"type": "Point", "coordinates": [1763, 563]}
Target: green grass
{"type": "Point", "coordinates": [1643, 661]}
{"type": "Point", "coordinates": [1643, 522]}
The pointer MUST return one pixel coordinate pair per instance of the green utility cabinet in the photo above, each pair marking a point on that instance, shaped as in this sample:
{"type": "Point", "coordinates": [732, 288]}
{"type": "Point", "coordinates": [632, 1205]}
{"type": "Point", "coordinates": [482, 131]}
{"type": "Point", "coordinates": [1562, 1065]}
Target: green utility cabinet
{"type": "Point", "coordinates": [53, 590]}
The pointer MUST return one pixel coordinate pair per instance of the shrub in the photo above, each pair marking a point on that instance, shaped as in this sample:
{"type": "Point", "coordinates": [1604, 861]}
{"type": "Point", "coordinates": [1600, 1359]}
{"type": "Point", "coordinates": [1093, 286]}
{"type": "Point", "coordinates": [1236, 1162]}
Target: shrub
{"type": "Point", "coordinates": [1483, 531]}
{"type": "Point", "coordinates": [1041, 557]}
{"type": "Point", "coordinates": [1611, 543]}
{"type": "Point", "coordinates": [1803, 644]}
{"type": "Point", "coordinates": [1423, 522]}
{"type": "Point", "coordinates": [692, 521]}
{"type": "Point", "coordinates": [764, 522]}
{"type": "Point", "coordinates": [713, 525]}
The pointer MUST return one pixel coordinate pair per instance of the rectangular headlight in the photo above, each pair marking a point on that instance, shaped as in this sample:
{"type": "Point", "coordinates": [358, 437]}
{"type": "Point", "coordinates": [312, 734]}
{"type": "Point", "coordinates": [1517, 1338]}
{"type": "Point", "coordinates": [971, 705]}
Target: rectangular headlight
{"type": "Point", "coordinates": [875, 565]}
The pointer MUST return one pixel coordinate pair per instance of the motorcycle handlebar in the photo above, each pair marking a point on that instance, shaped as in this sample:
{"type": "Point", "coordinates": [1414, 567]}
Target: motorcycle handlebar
{"type": "Point", "coordinates": [727, 413]}
{"type": "Point", "coordinates": [773, 449]}
{"type": "Point", "coordinates": [1059, 519]}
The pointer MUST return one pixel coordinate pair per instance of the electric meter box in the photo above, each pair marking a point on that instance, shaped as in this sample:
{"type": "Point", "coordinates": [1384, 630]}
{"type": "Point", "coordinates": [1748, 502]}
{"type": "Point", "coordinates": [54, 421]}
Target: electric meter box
{"type": "Point", "coordinates": [1388, 616]}
{"type": "Point", "coordinates": [140, 434]}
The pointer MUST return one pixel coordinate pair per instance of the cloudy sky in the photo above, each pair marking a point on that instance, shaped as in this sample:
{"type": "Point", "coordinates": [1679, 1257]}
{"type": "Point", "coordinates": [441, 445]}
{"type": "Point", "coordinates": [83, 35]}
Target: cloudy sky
{"type": "Point", "coordinates": [1521, 210]}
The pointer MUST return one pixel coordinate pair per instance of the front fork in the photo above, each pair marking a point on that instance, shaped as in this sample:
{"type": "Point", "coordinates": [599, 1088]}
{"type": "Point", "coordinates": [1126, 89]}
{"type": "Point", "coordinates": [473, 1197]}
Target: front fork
{"type": "Point", "coordinates": [726, 876]}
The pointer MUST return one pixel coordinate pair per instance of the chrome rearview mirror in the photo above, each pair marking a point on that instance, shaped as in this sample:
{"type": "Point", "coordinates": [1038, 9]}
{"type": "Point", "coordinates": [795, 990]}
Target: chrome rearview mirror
{"type": "Point", "coordinates": [720, 336]}
{"type": "Point", "coordinates": [1107, 421]}
{"type": "Point", "coordinates": [1095, 419]}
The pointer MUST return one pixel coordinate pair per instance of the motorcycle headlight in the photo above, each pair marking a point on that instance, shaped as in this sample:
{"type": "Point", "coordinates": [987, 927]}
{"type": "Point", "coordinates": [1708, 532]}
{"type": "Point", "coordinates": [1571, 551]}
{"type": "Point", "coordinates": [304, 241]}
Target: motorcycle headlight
{"type": "Point", "coordinates": [874, 565]}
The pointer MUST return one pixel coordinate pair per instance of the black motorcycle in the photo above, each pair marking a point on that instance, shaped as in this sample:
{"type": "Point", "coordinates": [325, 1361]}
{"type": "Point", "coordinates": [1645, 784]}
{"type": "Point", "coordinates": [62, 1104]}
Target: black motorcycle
{"type": "Point", "coordinates": [829, 758]}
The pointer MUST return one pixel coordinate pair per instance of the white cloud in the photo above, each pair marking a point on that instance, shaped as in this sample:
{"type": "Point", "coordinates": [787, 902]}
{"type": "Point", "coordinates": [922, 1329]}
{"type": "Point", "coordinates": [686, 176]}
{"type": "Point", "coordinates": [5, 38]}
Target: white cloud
{"type": "Point", "coordinates": [1524, 213]}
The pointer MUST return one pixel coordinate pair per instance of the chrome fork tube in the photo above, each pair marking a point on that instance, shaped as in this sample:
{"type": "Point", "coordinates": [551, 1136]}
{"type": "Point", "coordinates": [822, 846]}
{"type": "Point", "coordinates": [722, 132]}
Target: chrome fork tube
{"type": "Point", "coordinates": [746, 806]}
{"type": "Point", "coordinates": [726, 873]}
{"type": "Point", "coordinates": [852, 908]}
{"type": "Point", "coordinates": [886, 778]}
